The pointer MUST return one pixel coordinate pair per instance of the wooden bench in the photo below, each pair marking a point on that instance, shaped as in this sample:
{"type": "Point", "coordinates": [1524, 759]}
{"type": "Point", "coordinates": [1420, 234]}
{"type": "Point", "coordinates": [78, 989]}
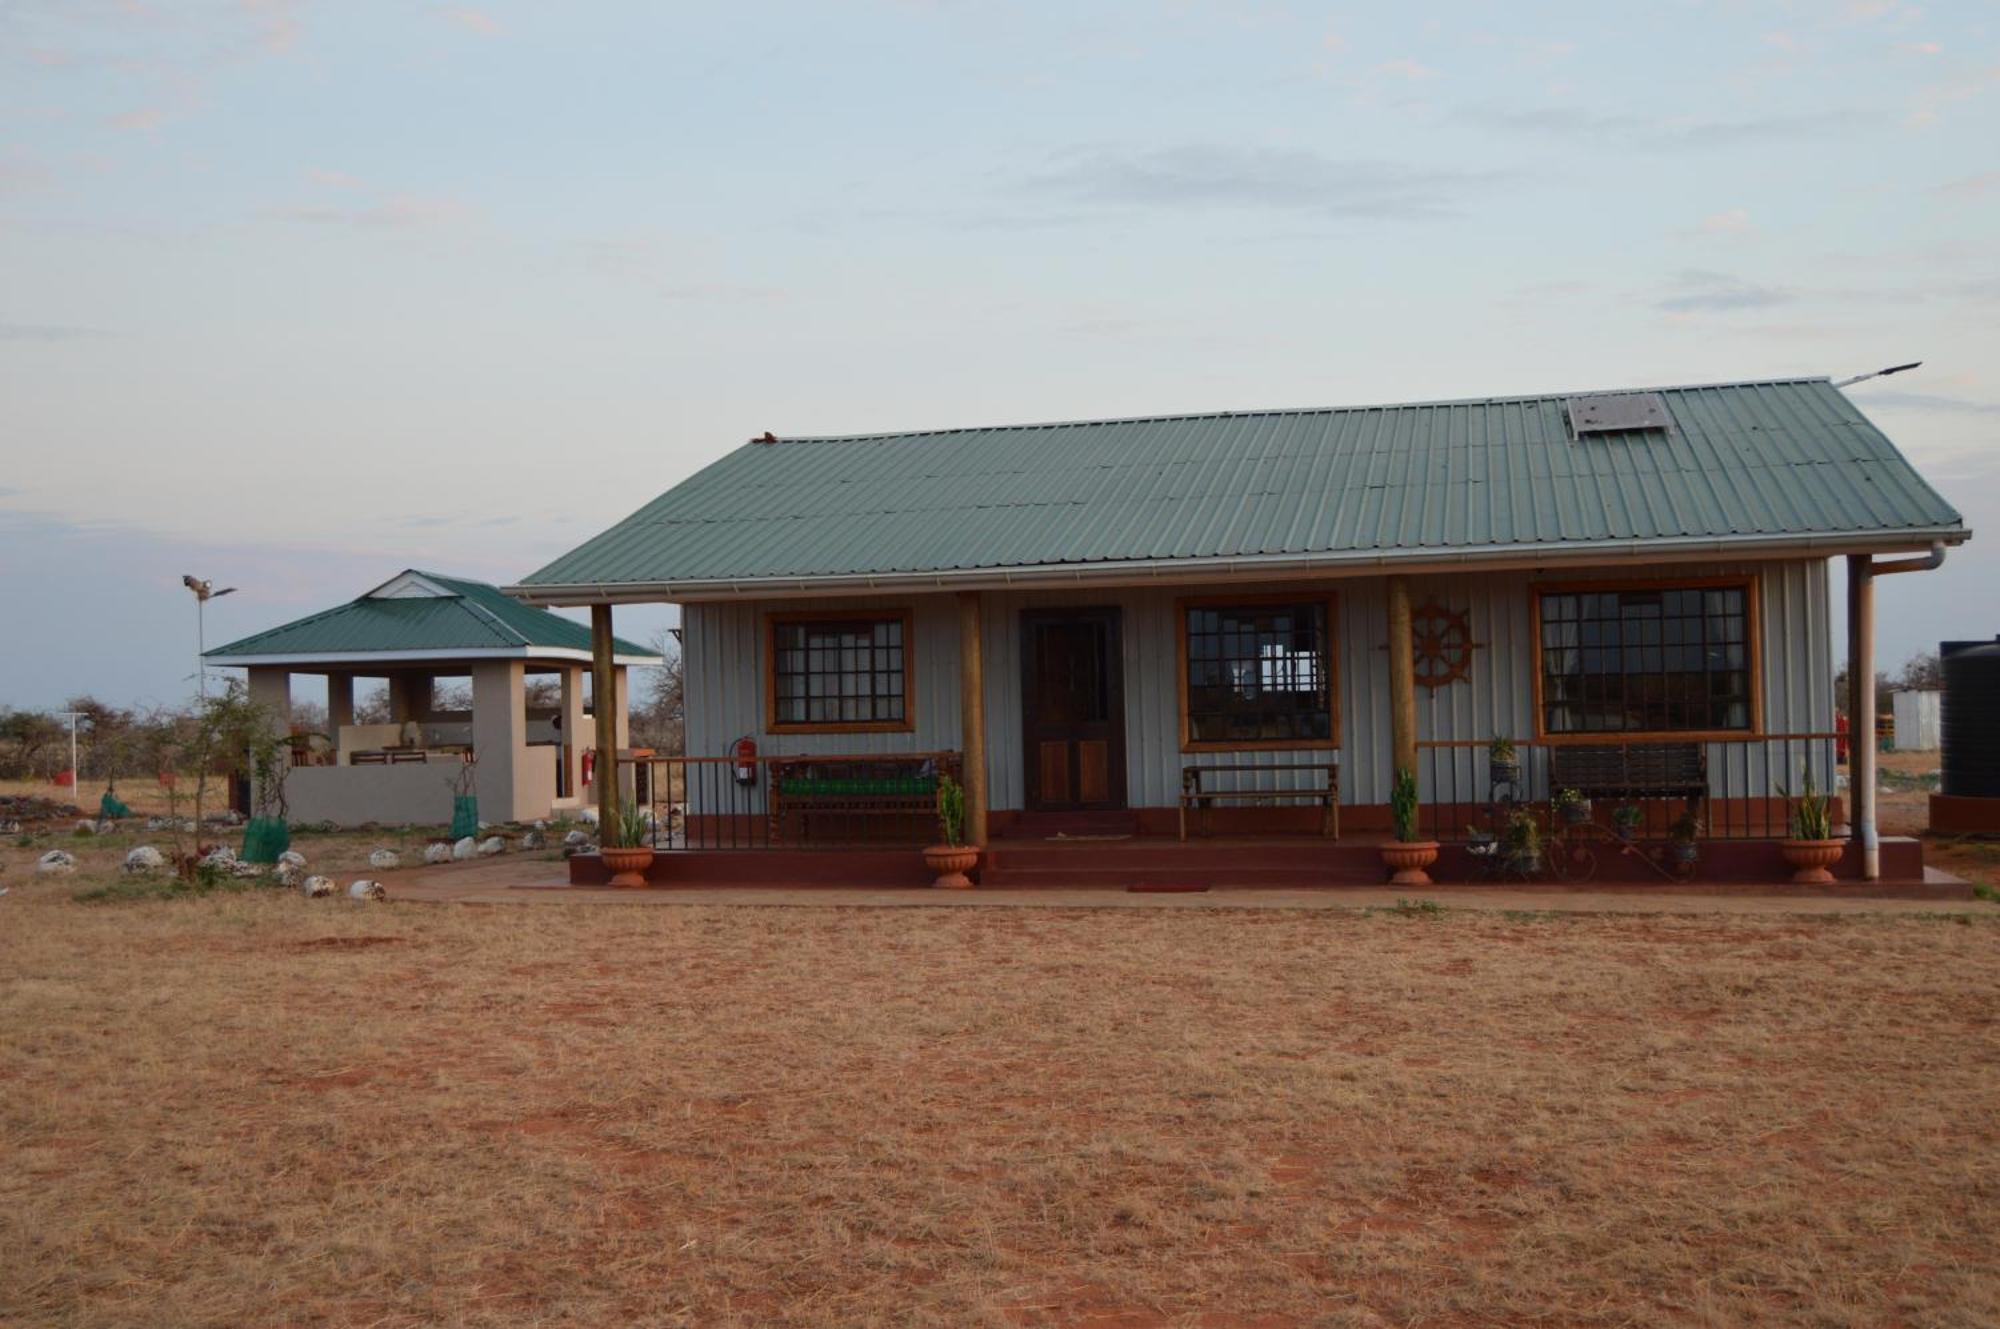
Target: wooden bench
{"type": "Point", "coordinates": [854, 792]}
{"type": "Point", "coordinates": [1631, 770]}
{"type": "Point", "coordinates": [1326, 793]}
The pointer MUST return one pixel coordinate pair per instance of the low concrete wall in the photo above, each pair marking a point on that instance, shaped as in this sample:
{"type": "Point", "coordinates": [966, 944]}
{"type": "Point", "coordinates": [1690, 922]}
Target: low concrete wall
{"type": "Point", "coordinates": [405, 795]}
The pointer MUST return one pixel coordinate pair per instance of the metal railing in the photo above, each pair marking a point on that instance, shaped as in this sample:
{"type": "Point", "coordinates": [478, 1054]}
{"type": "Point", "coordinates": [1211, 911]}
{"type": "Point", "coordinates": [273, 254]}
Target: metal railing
{"type": "Point", "coordinates": [843, 800]}
{"type": "Point", "coordinates": [1746, 787]}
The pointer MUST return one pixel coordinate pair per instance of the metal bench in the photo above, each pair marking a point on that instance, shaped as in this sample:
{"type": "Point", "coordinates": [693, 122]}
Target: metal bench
{"type": "Point", "coordinates": [1326, 794]}
{"type": "Point", "coordinates": [845, 794]}
{"type": "Point", "coordinates": [1631, 770]}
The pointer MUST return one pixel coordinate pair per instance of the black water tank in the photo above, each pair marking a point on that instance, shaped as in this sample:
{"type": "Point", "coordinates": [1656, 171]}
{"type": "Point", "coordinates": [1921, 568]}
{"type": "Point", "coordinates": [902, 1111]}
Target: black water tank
{"type": "Point", "coordinates": [1971, 718]}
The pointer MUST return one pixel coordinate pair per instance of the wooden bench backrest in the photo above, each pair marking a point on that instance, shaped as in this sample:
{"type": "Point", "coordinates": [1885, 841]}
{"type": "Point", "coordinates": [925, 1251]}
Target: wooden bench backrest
{"type": "Point", "coordinates": [1629, 766]}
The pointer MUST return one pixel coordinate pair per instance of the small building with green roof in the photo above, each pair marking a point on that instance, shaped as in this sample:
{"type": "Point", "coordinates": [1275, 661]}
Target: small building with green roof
{"type": "Point", "coordinates": [525, 745]}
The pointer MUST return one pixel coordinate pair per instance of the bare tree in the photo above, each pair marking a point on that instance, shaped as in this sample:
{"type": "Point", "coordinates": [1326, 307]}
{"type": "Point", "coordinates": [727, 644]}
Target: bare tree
{"type": "Point", "coordinates": [659, 721]}
{"type": "Point", "coordinates": [1922, 672]}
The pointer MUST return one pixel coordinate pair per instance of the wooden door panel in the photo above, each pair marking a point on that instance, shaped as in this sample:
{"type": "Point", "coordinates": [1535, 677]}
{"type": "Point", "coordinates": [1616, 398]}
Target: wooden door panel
{"type": "Point", "coordinates": [1093, 771]}
{"type": "Point", "coordinates": [1054, 786]}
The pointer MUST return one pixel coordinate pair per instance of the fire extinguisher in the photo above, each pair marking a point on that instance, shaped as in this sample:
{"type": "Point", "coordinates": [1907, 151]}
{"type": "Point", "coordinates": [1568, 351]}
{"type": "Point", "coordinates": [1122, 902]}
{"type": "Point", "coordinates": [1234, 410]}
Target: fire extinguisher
{"type": "Point", "coordinates": [589, 763]}
{"type": "Point", "coordinates": [744, 753]}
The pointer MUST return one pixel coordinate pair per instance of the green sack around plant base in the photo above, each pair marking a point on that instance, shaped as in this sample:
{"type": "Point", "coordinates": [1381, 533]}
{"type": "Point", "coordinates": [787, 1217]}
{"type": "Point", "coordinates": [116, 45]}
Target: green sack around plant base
{"type": "Point", "coordinates": [264, 838]}
{"type": "Point", "coordinates": [464, 815]}
{"type": "Point", "coordinates": [109, 808]}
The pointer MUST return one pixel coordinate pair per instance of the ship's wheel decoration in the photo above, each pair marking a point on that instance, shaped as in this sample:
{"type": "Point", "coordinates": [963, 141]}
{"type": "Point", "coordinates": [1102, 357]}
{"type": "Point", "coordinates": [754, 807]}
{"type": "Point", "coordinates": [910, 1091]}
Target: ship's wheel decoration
{"type": "Point", "coordinates": [1444, 644]}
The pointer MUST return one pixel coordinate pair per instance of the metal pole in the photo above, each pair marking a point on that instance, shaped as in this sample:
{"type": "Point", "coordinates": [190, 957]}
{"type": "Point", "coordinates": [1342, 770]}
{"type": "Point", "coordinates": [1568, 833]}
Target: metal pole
{"type": "Point", "coordinates": [200, 647]}
{"type": "Point", "coordinates": [1861, 724]}
{"type": "Point", "coordinates": [75, 776]}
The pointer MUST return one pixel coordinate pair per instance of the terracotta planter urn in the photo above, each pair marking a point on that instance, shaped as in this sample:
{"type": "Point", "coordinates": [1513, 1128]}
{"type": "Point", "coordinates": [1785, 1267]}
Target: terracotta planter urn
{"type": "Point", "coordinates": [1408, 859]}
{"type": "Point", "coordinates": [951, 862]}
{"type": "Point", "coordinates": [628, 866]}
{"type": "Point", "coordinates": [1811, 859]}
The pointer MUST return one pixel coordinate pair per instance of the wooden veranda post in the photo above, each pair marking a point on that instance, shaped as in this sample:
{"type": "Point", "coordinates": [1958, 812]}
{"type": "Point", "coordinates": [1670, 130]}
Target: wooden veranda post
{"type": "Point", "coordinates": [1402, 679]}
{"type": "Point", "coordinates": [604, 708]}
{"type": "Point", "coordinates": [972, 713]}
{"type": "Point", "coordinates": [1861, 710]}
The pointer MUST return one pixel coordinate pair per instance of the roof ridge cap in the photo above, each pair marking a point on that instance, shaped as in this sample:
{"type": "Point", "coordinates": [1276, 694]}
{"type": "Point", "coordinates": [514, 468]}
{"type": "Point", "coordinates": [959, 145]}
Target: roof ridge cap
{"type": "Point", "coordinates": [1498, 400]}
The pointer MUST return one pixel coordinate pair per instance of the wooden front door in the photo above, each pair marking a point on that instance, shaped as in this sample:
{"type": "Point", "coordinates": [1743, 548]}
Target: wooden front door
{"type": "Point", "coordinates": [1073, 709]}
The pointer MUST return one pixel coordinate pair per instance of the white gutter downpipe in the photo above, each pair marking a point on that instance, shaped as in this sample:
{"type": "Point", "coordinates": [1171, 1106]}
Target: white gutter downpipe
{"type": "Point", "coordinates": [1862, 571]}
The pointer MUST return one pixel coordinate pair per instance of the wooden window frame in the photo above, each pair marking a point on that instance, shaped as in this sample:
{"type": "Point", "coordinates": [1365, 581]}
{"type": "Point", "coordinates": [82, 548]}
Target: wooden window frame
{"type": "Point", "coordinates": [1333, 643]}
{"type": "Point", "coordinates": [906, 725]}
{"type": "Point", "coordinates": [1752, 586]}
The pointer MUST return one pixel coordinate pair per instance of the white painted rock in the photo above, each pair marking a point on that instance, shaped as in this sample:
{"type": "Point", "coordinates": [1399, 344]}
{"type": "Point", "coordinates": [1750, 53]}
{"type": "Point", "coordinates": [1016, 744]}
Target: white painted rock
{"type": "Point", "coordinates": [291, 858]}
{"type": "Point", "coordinates": [385, 858]}
{"type": "Point", "coordinates": [55, 863]}
{"type": "Point", "coordinates": [588, 816]}
{"type": "Point", "coordinates": [221, 856]}
{"type": "Point", "coordinates": [290, 874]}
{"type": "Point", "coordinates": [317, 887]}
{"type": "Point", "coordinates": [366, 890]}
{"type": "Point", "coordinates": [437, 853]}
{"type": "Point", "coordinates": [534, 840]}
{"type": "Point", "coordinates": [86, 828]}
{"type": "Point", "coordinates": [575, 838]}
{"type": "Point", "coordinates": [465, 849]}
{"type": "Point", "coordinates": [246, 870]}
{"type": "Point", "coordinates": [145, 859]}
{"type": "Point", "coordinates": [541, 825]}
{"type": "Point", "coordinates": [492, 845]}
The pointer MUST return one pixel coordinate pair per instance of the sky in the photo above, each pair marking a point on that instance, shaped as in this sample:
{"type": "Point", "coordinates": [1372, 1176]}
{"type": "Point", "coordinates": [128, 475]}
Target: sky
{"type": "Point", "coordinates": [294, 295]}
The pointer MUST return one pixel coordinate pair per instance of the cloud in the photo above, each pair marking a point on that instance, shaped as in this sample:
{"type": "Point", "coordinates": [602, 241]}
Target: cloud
{"type": "Point", "coordinates": [1926, 401]}
{"type": "Point", "coordinates": [1735, 221]}
{"type": "Point", "coordinates": [48, 332]}
{"type": "Point", "coordinates": [1404, 69]}
{"type": "Point", "coordinates": [1274, 179]}
{"type": "Point", "coordinates": [1922, 48]}
{"type": "Point", "coordinates": [472, 20]}
{"type": "Point", "coordinates": [1970, 186]}
{"type": "Point", "coordinates": [144, 120]}
{"type": "Point", "coordinates": [1673, 132]}
{"type": "Point", "coordinates": [332, 179]}
{"type": "Point", "coordinates": [1700, 291]}
{"type": "Point", "coordinates": [394, 212]}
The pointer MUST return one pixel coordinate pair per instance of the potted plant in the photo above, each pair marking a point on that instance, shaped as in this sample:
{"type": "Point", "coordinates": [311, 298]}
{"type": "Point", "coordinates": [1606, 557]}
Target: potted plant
{"type": "Point", "coordinates": [1572, 807]}
{"type": "Point", "coordinates": [1406, 855]}
{"type": "Point", "coordinates": [1503, 764]}
{"type": "Point", "coordinates": [625, 850]}
{"type": "Point", "coordinates": [1683, 839]}
{"type": "Point", "coordinates": [951, 858]}
{"type": "Point", "coordinates": [1628, 817]}
{"type": "Point", "coordinates": [1521, 843]}
{"type": "Point", "coordinates": [1811, 848]}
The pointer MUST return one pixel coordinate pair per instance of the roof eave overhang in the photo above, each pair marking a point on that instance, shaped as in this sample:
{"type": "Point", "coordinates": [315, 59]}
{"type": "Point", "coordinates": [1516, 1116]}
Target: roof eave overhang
{"type": "Point", "coordinates": [360, 660]}
{"type": "Point", "coordinates": [1255, 567]}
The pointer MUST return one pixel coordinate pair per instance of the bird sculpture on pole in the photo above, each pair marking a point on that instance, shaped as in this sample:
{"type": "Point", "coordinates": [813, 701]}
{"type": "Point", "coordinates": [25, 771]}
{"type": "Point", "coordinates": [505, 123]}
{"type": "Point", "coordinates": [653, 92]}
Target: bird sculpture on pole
{"type": "Point", "coordinates": [204, 591]}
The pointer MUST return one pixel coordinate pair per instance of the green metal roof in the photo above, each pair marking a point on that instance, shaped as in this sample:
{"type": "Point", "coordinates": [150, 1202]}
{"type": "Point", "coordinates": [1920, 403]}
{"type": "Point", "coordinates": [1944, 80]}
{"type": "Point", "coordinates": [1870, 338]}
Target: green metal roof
{"type": "Point", "coordinates": [423, 613]}
{"type": "Point", "coordinates": [1740, 462]}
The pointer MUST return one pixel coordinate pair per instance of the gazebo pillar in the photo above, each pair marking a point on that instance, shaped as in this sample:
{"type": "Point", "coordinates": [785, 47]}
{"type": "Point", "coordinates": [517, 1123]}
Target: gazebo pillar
{"type": "Point", "coordinates": [604, 709]}
{"type": "Point", "coordinates": [339, 704]}
{"type": "Point", "coordinates": [499, 736]}
{"type": "Point", "coordinates": [271, 687]}
{"type": "Point", "coordinates": [574, 739]}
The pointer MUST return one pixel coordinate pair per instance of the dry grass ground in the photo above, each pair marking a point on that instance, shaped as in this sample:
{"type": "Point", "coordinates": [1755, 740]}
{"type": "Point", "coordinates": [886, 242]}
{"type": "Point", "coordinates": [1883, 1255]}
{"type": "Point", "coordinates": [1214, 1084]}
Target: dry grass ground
{"type": "Point", "coordinates": [262, 1110]}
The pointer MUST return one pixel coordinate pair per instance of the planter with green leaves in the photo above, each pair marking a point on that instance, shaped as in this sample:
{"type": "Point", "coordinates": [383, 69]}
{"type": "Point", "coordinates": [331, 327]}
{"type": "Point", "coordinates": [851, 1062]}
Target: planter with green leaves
{"type": "Point", "coordinates": [1572, 807]}
{"type": "Point", "coordinates": [1407, 856]}
{"type": "Point", "coordinates": [1684, 840]}
{"type": "Point", "coordinates": [1521, 844]}
{"type": "Point", "coordinates": [1811, 849]}
{"type": "Point", "coordinates": [625, 851]}
{"type": "Point", "coordinates": [952, 857]}
{"type": "Point", "coordinates": [1503, 764]}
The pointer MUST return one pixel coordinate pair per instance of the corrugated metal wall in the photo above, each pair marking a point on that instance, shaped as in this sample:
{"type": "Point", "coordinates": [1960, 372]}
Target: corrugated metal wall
{"type": "Point", "coordinates": [725, 691]}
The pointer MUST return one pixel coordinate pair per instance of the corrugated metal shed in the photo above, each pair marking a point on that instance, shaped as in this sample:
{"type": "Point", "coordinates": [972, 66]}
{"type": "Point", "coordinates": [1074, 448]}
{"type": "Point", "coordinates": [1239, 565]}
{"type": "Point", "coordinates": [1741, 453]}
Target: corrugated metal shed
{"type": "Point", "coordinates": [1739, 461]}
{"type": "Point", "coordinates": [469, 616]}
